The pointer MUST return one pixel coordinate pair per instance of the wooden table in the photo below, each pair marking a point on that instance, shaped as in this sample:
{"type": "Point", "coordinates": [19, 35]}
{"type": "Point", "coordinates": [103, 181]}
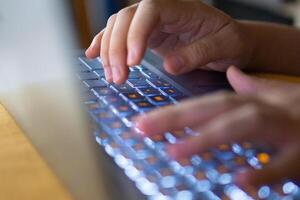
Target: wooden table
{"type": "Point", "coordinates": [24, 175]}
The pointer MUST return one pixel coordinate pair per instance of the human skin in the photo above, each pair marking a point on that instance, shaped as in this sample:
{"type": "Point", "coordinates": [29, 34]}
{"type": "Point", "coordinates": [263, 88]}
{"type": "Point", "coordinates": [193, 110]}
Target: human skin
{"type": "Point", "coordinates": [190, 35]}
{"type": "Point", "coordinates": [262, 110]}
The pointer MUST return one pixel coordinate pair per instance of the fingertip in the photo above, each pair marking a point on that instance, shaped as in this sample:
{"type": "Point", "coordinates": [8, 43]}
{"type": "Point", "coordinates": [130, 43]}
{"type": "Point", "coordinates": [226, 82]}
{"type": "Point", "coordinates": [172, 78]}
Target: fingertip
{"type": "Point", "coordinates": [88, 53]}
{"type": "Point", "coordinates": [142, 124]}
{"type": "Point", "coordinates": [120, 80]}
{"type": "Point", "coordinates": [133, 56]}
{"type": "Point", "coordinates": [242, 178]}
{"type": "Point", "coordinates": [120, 74]}
{"type": "Point", "coordinates": [174, 64]}
{"type": "Point", "coordinates": [108, 74]}
{"type": "Point", "coordinates": [241, 82]}
{"type": "Point", "coordinates": [172, 150]}
{"type": "Point", "coordinates": [233, 72]}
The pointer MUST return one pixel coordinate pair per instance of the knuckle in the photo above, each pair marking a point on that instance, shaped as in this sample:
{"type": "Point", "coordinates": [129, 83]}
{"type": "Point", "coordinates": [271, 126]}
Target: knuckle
{"type": "Point", "coordinates": [113, 51]}
{"type": "Point", "coordinates": [256, 113]}
{"type": "Point", "coordinates": [125, 11]}
{"type": "Point", "coordinates": [103, 55]}
{"type": "Point", "coordinates": [201, 50]}
{"type": "Point", "coordinates": [227, 98]}
{"type": "Point", "coordinates": [150, 3]}
{"type": "Point", "coordinates": [111, 19]}
{"type": "Point", "coordinates": [98, 36]}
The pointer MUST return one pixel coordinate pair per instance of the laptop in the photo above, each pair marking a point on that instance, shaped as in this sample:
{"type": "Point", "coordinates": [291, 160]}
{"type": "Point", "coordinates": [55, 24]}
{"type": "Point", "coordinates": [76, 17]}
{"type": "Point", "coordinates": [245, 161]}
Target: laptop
{"type": "Point", "coordinates": [81, 125]}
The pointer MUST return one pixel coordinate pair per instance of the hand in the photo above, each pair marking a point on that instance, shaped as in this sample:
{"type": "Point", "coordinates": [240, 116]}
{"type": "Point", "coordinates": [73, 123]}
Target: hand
{"type": "Point", "coordinates": [259, 113]}
{"type": "Point", "coordinates": [187, 34]}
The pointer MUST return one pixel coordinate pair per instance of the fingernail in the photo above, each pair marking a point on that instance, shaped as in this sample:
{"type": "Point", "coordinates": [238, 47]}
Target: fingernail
{"type": "Point", "coordinates": [116, 75]}
{"type": "Point", "coordinates": [93, 44]}
{"type": "Point", "coordinates": [176, 63]}
{"type": "Point", "coordinates": [138, 122]}
{"type": "Point", "coordinates": [108, 74]}
{"type": "Point", "coordinates": [131, 57]}
{"type": "Point", "coordinates": [87, 52]}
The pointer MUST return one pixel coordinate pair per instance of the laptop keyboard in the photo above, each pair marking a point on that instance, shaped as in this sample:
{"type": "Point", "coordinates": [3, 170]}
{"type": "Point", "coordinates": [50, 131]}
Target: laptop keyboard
{"type": "Point", "coordinates": [208, 176]}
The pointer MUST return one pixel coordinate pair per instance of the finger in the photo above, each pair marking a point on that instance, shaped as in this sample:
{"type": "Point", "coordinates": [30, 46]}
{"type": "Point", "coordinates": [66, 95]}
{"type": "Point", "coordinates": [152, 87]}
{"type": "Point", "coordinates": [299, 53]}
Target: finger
{"type": "Point", "coordinates": [206, 49]}
{"type": "Point", "coordinates": [245, 84]}
{"type": "Point", "coordinates": [189, 113]}
{"type": "Point", "coordinates": [149, 14]}
{"type": "Point", "coordinates": [94, 49]}
{"type": "Point", "coordinates": [105, 47]}
{"type": "Point", "coordinates": [189, 57]}
{"type": "Point", "coordinates": [283, 166]}
{"type": "Point", "coordinates": [118, 44]}
{"type": "Point", "coordinates": [240, 124]}
{"type": "Point", "coordinates": [143, 23]}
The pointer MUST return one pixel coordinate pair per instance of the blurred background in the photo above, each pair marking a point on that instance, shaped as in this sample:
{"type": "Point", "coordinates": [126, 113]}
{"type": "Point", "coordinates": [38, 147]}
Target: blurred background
{"type": "Point", "coordinates": [92, 14]}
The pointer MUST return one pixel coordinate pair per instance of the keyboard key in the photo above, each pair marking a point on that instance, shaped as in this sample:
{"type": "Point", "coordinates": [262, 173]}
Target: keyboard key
{"type": "Point", "coordinates": [102, 137]}
{"type": "Point", "coordinates": [235, 193]}
{"type": "Point", "coordinates": [138, 83]}
{"type": "Point", "coordinates": [99, 73]}
{"type": "Point", "coordinates": [95, 106]}
{"type": "Point", "coordinates": [158, 138]}
{"type": "Point", "coordinates": [123, 110]}
{"type": "Point", "coordinates": [91, 63]}
{"type": "Point", "coordinates": [106, 116]}
{"type": "Point", "coordinates": [123, 88]}
{"type": "Point", "coordinates": [149, 74]}
{"type": "Point", "coordinates": [264, 158]}
{"type": "Point", "coordinates": [132, 96]}
{"type": "Point", "coordinates": [89, 97]}
{"type": "Point", "coordinates": [103, 91]}
{"type": "Point", "coordinates": [148, 91]}
{"type": "Point", "coordinates": [224, 155]}
{"type": "Point", "coordinates": [159, 83]}
{"type": "Point", "coordinates": [143, 106]}
{"type": "Point", "coordinates": [159, 100]}
{"type": "Point", "coordinates": [87, 76]}
{"type": "Point", "coordinates": [127, 137]}
{"type": "Point", "coordinates": [95, 83]}
{"type": "Point", "coordinates": [134, 68]}
{"type": "Point", "coordinates": [128, 119]}
{"type": "Point", "coordinates": [171, 92]}
{"type": "Point", "coordinates": [185, 194]}
{"type": "Point", "coordinates": [82, 68]}
{"type": "Point", "coordinates": [165, 171]}
{"type": "Point", "coordinates": [115, 126]}
{"type": "Point", "coordinates": [200, 175]}
{"type": "Point", "coordinates": [135, 75]}
{"type": "Point", "coordinates": [113, 99]}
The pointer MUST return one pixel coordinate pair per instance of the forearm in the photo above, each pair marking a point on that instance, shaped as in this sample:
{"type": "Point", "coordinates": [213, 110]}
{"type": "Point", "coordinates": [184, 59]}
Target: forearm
{"type": "Point", "coordinates": [276, 48]}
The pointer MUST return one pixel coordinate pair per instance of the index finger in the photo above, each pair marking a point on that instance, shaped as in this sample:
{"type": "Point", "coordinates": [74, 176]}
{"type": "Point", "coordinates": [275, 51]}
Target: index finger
{"type": "Point", "coordinates": [144, 21]}
{"type": "Point", "coordinates": [150, 13]}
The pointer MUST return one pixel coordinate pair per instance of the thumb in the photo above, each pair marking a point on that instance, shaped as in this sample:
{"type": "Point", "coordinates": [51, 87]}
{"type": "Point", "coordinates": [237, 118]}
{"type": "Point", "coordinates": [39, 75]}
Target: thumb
{"type": "Point", "coordinates": [189, 57]}
{"type": "Point", "coordinates": [246, 84]}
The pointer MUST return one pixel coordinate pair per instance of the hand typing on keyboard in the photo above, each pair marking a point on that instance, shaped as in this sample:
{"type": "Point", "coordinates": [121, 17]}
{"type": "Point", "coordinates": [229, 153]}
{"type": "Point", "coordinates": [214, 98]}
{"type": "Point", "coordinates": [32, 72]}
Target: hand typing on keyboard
{"type": "Point", "coordinates": [258, 114]}
{"type": "Point", "coordinates": [186, 34]}
{"type": "Point", "coordinates": [191, 35]}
